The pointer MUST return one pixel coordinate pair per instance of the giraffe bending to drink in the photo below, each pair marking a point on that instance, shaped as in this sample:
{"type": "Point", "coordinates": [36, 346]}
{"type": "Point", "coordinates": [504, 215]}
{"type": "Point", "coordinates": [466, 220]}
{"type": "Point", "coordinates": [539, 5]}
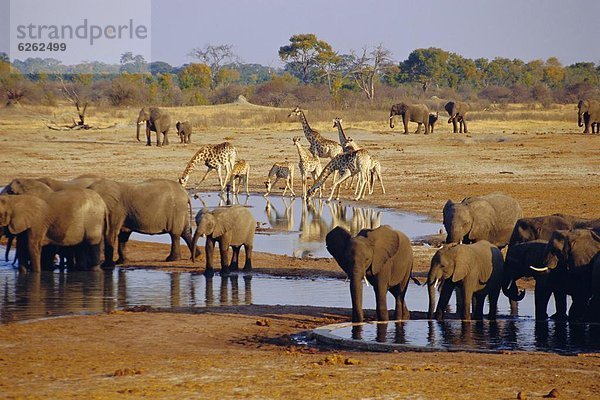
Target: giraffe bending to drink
{"type": "Point", "coordinates": [284, 170]}
{"type": "Point", "coordinates": [240, 173]}
{"type": "Point", "coordinates": [215, 157]}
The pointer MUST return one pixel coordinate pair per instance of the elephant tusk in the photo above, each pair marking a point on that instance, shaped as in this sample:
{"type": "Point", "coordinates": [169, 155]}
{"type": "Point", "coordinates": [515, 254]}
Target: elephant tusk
{"type": "Point", "coordinates": [542, 269]}
{"type": "Point", "coordinates": [366, 281]}
{"type": "Point", "coordinates": [436, 283]}
{"type": "Point", "coordinates": [141, 122]}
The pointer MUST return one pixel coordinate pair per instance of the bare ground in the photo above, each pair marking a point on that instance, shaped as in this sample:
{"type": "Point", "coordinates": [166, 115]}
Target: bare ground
{"type": "Point", "coordinates": [223, 352]}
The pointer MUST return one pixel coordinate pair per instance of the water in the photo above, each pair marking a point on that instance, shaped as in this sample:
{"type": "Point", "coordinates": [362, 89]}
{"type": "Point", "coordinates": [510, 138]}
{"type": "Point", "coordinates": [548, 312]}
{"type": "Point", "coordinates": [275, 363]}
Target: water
{"type": "Point", "coordinates": [503, 334]}
{"type": "Point", "coordinates": [31, 296]}
{"type": "Point", "coordinates": [291, 227]}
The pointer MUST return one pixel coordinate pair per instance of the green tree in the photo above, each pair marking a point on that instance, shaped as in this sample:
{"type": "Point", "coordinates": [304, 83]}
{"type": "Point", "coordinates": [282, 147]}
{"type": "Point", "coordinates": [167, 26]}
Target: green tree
{"type": "Point", "coordinates": [424, 66]}
{"type": "Point", "coordinates": [302, 55]}
{"type": "Point", "coordinates": [554, 73]}
{"type": "Point", "coordinates": [195, 75]}
{"type": "Point", "coordinates": [133, 64]}
{"type": "Point", "coordinates": [215, 56]}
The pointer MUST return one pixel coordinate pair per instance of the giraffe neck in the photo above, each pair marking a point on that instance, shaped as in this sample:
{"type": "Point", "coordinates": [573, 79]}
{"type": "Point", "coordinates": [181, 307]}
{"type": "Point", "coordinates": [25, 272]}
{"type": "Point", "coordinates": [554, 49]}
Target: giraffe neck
{"type": "Point", "coordinates": [328, 170]}
{"type": "Point", "coordinates": [308, 132]}
{"type": "Point", "coordinates": [301, 152]}
{"type": "Point", "coordinates": [341, 134]}
{"type": "Point", "coordinates": [201, 154]}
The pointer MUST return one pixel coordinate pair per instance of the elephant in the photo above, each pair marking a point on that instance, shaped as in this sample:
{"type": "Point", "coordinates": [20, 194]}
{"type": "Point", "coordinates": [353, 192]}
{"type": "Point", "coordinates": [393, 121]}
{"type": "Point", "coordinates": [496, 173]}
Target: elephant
{"type": "Point", "coordinates": [490, 217]}
{"type": "Point", "coordinates": [82, 181]}
{"type": "Point", "coordinates": [184, 130]}
{"type": "Point", "coordinates": [594, 125]}
{"type": "Point", "coordinates": [517, 264]}
{"type": "Point", "coordinates": [539, 228]}
{"type": "Point", "coordinates": [229, 226]}
{"type": "Point", "coordinates": [457, 112]}
{"type": "Point", "coordinates": [152, 207]}
{"type": "Point", "coordinates": [476, 268]}
{"type": "Point", "coordinates": [383, 257]}
{"type": "Point", "coordinates": [70, 217]}
{"type": "Point", "coordinates": [573, 252]}
{"type": "Point", "coordinates": [432, 120]}
{"type": "Point", "coordinates": [592, 108]}
{"type": "Point", "coordinates": [418, 113]}
{"type": "Point", "coordinates": [156, 120]}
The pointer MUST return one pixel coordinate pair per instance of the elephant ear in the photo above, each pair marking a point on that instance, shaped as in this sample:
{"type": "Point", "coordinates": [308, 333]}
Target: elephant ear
{"type": "Point", "coordinates": [336, 242]}
{"type": "Point", "coordinates": [462, 262]}
{"type": "Point", "coordinates": [483, 220]}
{"type": "Point", "coordinates": [385, 243]}
{"type": "Point", "coordinates": [25, 211]}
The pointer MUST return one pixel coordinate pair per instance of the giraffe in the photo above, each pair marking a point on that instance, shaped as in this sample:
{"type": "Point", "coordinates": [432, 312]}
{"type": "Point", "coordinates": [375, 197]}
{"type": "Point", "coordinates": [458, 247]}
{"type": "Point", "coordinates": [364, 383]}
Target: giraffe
{"type": "Point", "coordinates": [375, 172]}
{"type": "Point", "coordinates": [319, 146]}
{"type": "Point", "coordinates": [308, 164]}
{"type": "Point", "coordinates": [215, 157]}
{"type": "Point", "coordinates": [347, 164]}
{"type": "Point", "coordinates": [284, 170]}
{"type": "Point", "coordinates": [239, 173]}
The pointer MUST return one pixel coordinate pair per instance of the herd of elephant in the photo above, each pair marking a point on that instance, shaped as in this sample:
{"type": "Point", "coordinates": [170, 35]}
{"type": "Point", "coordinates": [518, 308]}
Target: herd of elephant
{"type": "Point", "coordinates": [561, 252]}
{"type": "Point", "coordinates": [78, 218]}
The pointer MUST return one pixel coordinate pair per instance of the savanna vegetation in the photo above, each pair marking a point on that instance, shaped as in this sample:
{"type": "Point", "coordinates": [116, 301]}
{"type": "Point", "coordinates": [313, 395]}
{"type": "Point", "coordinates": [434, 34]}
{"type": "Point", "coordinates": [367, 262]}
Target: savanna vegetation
{"type": "Point", "coordinates": [314, 75]}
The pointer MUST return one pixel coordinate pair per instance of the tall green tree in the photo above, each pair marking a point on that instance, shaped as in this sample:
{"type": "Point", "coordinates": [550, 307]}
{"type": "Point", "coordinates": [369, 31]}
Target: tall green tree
{"type": "Point", "coordinates": [303, 55]}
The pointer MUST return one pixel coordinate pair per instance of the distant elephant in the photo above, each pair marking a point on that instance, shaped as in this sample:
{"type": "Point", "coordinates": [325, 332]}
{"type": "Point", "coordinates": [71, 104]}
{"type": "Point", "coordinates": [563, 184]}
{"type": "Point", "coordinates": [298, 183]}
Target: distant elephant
{"type": "Point", "coordinates": [383, 256]}
{"type": "Point", "coordinates": [477, 268]}
{"type": "Point", "coordinates": [573, 253]}
{"type": "Point", "coordinates": [491, 217]}
{"type": "Point", "coordinates": [229, 226]}
{"type": "Point", "coordinates": [592, 108]}
{"type": "Point", "coordinates": [418, 113]}
{"type": "Point", "coordinates": [587, 121]}
{"type": "Point", "coordinates": [184, 130]}
{"type": "Point", "coordinates": [457, 112]}
{"type": "Point", "coordinates": [432, 120]}
{"type": "Point", "coordinates": [519, 258]}
{"type": "Point", "coordinates": [152, 207]}
{"type": "Point", "coordinates": [156, 120]}
{"type": "Point", "coordinates": [538, 228]}
{"type": "Point", "coordinates": [70, 217]}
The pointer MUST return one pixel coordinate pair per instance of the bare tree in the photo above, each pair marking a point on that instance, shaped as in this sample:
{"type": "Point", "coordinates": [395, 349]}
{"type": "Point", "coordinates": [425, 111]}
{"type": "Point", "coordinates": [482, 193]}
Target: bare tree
{"type": "Point", "coordinates": [369, 67]}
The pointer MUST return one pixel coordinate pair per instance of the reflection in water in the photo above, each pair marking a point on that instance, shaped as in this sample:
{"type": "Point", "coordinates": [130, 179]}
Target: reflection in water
{"type": "Point", "coordinates": [296, 228]}
{"type": "Point", "coordinates": [503, 334]}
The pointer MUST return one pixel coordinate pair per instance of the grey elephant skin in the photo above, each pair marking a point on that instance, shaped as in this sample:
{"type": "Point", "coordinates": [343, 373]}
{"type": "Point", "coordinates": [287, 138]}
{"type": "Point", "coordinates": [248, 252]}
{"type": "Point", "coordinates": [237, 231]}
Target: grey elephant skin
{"type": "Point", "coordinates": [71, 217]}
{"type": "Point", "coordinates": [418, 113]}
{"type": "Point", "coordinates": [152, 207]}
{"type": "Point", "coordinates": [476, 268]}
{"type": "Point", "coordinates": [384, 257]}
{"type": "Point", "coordinates": [491, 217]}
{"type": "Point", "coordinates": [229, 226]}
{"type": "Point", "coordinates": [82, 181]}
{"type": "Point", "coordinates": [574, 253]}
{"type": "Point", "coordinates": [156, 120]}
{"type": "Point", "coordinates": [592, 109]}
{"type": "Point", "coordinates": [184, 130]}
{"type": "Point", "coordinates": [457, 112]}
{"type": "Point", "coordinates": [519, 259]}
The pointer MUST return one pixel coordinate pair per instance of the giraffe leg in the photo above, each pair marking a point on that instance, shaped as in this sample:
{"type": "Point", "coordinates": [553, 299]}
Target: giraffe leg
{"type": "Point", "coordinates": [336, 183]}
{"type": "Point", "coordinates": [220, 179]}
{"type": "Point", "coordinates": [204, 177]}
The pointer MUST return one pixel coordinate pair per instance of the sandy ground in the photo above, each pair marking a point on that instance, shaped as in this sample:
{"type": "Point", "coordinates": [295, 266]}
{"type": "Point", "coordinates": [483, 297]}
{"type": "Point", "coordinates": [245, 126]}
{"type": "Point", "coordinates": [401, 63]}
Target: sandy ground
{"type": "Point", "coordinates": [222, 352]}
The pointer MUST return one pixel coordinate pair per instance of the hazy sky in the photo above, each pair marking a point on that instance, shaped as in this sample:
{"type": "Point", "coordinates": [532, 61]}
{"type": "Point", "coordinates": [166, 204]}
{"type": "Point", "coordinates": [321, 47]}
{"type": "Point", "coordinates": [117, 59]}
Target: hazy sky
{"type": "Point", "coordinates": [525, 29]}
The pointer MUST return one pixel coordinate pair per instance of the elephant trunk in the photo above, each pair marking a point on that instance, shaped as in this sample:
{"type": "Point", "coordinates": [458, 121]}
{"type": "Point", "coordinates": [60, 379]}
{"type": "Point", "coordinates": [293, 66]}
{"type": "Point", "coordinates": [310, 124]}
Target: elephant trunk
{"type": "Point", "coordinates": [356, 295]}
{"type": "Point", "coordinates": [579, 120]}
{"type": "Point", "coordinates": [9, 241]}
{"type": "Point", "coordinates": [392, 119]}
{"type": "Point", "coordinates": [431, 287]}
{"type": "Point", "coordinates": [452, 116]}
{"type": "Point", "coordinates": [511, 290]}
{"type": "Point", "coordinates": [137, 135]}
{"type": "Point", "coordinates": [194, 242]}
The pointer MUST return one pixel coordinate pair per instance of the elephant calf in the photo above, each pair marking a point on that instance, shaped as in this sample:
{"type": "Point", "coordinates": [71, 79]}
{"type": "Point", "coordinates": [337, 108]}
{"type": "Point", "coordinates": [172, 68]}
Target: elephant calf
{"type": "Point", "coordinates": [229, 226]}
{"type": "Point", "coordinates": [477, 268]}
{"type": "Point", "coordinates": [184, 130]}
{"type": "Point", "coordinates": [383, 256]}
